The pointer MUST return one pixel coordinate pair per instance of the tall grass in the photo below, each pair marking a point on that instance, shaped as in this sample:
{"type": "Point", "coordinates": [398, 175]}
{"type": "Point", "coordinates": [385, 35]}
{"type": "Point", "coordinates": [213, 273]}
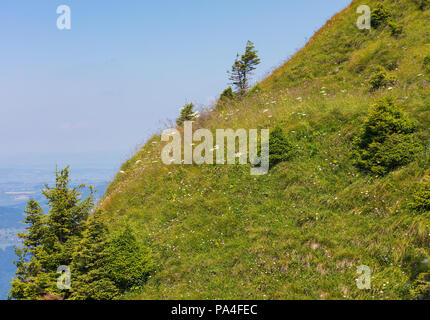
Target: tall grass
{"type": "Point", "coordinates": [300, 231]}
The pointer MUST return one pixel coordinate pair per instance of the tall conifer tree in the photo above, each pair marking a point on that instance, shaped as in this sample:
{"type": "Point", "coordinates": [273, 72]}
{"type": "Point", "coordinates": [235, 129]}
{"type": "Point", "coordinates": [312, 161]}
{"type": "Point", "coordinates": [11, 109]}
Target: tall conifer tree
{"type": "Point", "coordinates": [243, 67]}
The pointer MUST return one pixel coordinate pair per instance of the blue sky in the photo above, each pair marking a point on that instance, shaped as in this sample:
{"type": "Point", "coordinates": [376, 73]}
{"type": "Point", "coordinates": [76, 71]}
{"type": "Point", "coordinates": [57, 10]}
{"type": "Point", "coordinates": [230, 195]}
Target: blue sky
{"type": "Point", "coordinates": [126, 67]}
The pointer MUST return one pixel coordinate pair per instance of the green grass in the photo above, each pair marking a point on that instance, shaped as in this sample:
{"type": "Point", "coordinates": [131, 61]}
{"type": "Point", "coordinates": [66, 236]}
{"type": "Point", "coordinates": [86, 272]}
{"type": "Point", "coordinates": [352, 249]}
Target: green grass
{"type": "Point", "coordinates": [301, 231]}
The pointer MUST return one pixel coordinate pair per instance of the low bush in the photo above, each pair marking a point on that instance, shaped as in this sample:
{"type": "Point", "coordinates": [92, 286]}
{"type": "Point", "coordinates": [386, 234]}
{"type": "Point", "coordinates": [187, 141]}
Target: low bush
{"type": "Point", "coordinates": [422, 4]}
{"type": "Point", "coordinates": [421, 197]}
{"type": "Point", "coordinates": [426, 64]}
{"type": "Point", "coordinates": [386, 140]}
{"type": "Point", "coordinates": [421, 290]}
{"type": "Point", "coordinates": [280, 148]}
{"type": "Point", "coordinates": [380, 16]}
{"type": "Point", "coordinates": [395, 151]}
{"type": "Point", "coordinates": [128, 264]}
{"type": "Point", "coordinates": [420, 274]}
{"type": "Point", "coordinates": [381, 78]}
{"type": "Point", "coordinates": [396, 29]}
{"type": "Point", "coordinates": [227, 94]}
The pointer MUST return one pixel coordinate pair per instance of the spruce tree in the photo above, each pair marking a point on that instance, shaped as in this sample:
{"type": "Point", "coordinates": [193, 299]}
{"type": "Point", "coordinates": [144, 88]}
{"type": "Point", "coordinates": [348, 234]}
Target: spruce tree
{"type": "Point", "coordinates": [187, 114]}
{"type": "Point", "coordinates": [49, 239]}
{"type": "Point", "coordinates": [280, 148]}
{"type": "Point", "coordinates": [243, 67]}
{"type": "Point", "coordinates": [91, 281]}
{"type": "Point", "coordinates": [69, 235]}
{"type": "Point", "coordinates": [67, 213]}
{"type": "Point", "coordinates": [35, 220]}
{"type": "Point", "coordinates": [28, 267]}
{"type": "Point", "coordinates": [127, 262]}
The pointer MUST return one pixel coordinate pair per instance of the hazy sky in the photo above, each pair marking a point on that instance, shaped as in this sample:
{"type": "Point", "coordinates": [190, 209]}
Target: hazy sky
{"type": "Point", "coordinates": [126, 67]}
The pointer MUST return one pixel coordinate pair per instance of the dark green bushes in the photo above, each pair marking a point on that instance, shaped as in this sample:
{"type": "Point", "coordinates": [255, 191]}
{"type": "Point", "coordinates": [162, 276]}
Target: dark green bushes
{"type": "Point", "coordinates": [422, 4]}
{"type": "Point", "coordinates": [381, 78]}
{"type": "Point", "coordinates": [421, 290]}
{"type": "Point", "coordinates": [420, 272]}
{"type": "Point", "coordinates": [426, 64]}
{"type": "Point", "coordinates": [70, 235]}
{"type": "Point", "coordinates": [380, 16]}
{"type": "Point", "coordinates": [226, 97]}
{"type": "Point", "coordinates": [396, 29]}
{"type": "Point", "coordinates": [421, 197]}
{"type": "Point", "coordinates": [280, 148]}
{"type": "Point", "coordinates": [106, 268]}
{"type": "Point", "coordinates": [90, 279]}
{"type": "Point", "coordinates": [227, 94]}
{"type": "Point", "coordinates": [128, 264]}
{"type": "Point", "coordinates": [386, 140]}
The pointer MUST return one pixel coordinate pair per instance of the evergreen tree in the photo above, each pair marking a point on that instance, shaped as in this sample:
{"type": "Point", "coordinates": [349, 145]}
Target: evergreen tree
{"type": "Point", "coordinates": [49, 239]}
{"type": "Point", "coordinates": [243, 67]}
{"type": "Point", "coordinates": [91, 281]}
{"type": "Point", "coordinates": [127, 262]}
{"type": "Point", "coordinates": [101, 268]}
{"type": "Point", "coordinates": [280, 148]}
{"type": "Point", "coordinates": [25, 284]}
{"type": "Point", "coordinates": [387, 139]}
{"type": "Point", "coordinates": [67, 213]}
{"type": "Point", "coordinates": [35, 220]}
{"type": "Point", "coordinates": [187, 114]}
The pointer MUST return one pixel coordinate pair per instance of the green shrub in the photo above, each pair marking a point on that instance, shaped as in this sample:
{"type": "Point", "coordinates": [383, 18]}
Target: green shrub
{"type": "Point", "coordinates": [128, 264]}
{"type": "Point", "coordinates": [396, 29]}
{"type": "Point", "coordinates": [90, 280]}
{"type": "Point", "coordinates": [421, 289]}
{"type": "Point", "coordinates": [227, 94]}
{"type": "Point", "coordinates": [381, 78]}
{"type": "Point", "coordinates": [420, 274]}
{"type": "Point", "coordinates": [386, 140]}
{"type": "Point", "coordinates": [380, 16]}
{"type": "Point", "coordinates": [426, 64]}
{"type": "Point", "coordinates": [421, 197]}
{"type": "Point", "coordinates": [187, 114]}
{"type": "Point", "coordinates": [395, 151]}
{"type": "Point", "coordinates": [422, 4]}
{"type": "Point", "coordinates": [280, 148]}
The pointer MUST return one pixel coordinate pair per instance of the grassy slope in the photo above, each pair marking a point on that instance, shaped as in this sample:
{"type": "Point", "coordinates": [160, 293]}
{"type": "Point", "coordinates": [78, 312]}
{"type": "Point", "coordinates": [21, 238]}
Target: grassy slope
{"type": "Point", "coordinates": [300, 231]}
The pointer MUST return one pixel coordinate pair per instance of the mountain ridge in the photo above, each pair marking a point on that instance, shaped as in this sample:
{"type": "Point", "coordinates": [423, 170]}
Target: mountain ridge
{"type": "Point", "coordinates": [301, 231]}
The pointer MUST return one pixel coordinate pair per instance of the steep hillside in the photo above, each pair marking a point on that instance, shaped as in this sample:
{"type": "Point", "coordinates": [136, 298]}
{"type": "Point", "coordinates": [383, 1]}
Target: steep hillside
{"type": "Point", "coordinates": [301, 231]}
